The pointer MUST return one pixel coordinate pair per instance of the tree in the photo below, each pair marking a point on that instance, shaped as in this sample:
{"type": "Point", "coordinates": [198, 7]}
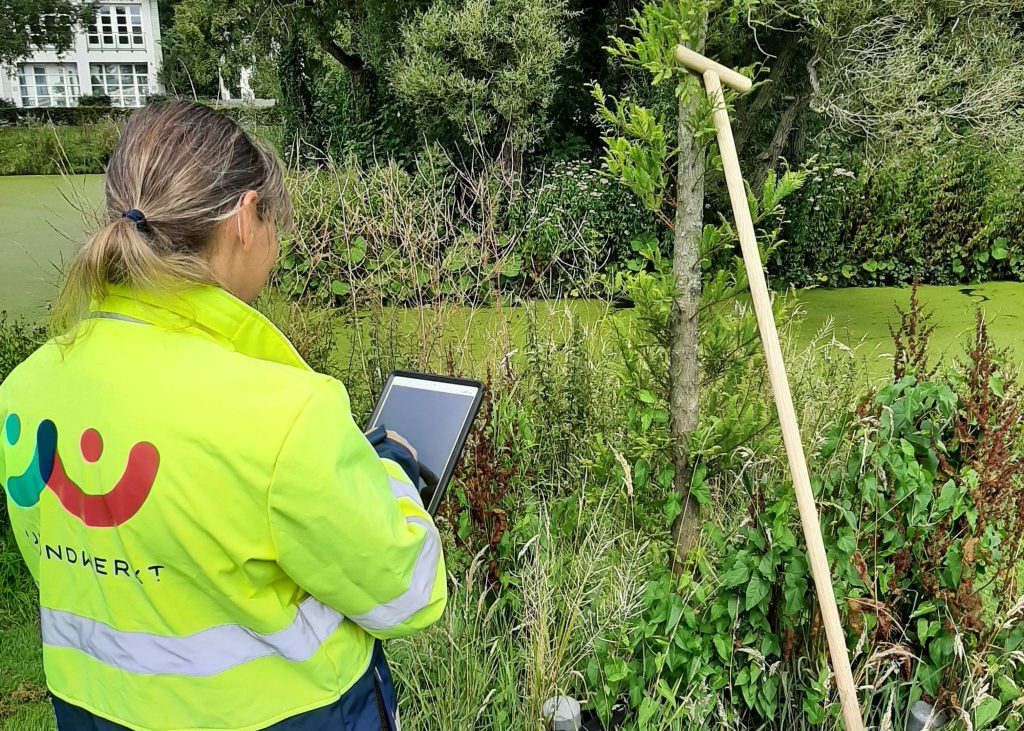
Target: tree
{"type": "Point", "coordinates": [639, 158]}
{"type": "Point", "coordinates": [484, 71]}
{"type": "Point", "coordinates": [30, 24]}
{"type": "Point", "coordinates": [204, 41]}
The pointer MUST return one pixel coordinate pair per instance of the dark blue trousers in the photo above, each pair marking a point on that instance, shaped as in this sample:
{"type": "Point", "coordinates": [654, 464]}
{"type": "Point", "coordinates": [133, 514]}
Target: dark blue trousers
{"type": "Point", "coordinates": [369, 705]}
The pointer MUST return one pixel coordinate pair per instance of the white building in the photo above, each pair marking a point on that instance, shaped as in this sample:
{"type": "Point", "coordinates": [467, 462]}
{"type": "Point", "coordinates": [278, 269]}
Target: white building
{"type": "Point", "coordinates": [118, 55]}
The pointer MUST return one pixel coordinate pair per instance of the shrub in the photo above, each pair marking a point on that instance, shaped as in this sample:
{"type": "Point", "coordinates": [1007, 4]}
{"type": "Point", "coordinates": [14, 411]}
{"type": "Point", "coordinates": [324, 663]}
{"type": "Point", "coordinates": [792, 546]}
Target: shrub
{"type": "Point", "coordinates": [441, 231]}
{"type": "Point", "coordinates": [82, 141]}
{"type": "Point", "coordinates": [483, 72]}
{"type": "Point", "coordinates": [18, 340]}
{"type": "Point", "coordinates": [922, 511]}
{"type": "Point", "coordinates": [577, 196]}
{"type": "Point", "coordinates": [29, 116]}
{"type": "Point", "coordinates": [940, 215]}
{"type": "Point", "coordinates": [96, 101]}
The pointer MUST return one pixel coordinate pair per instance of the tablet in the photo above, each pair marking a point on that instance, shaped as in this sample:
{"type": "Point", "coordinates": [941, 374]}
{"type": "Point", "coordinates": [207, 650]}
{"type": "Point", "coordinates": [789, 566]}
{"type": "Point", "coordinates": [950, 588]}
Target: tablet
{"type": "Point", "coordinates": [434, 414]}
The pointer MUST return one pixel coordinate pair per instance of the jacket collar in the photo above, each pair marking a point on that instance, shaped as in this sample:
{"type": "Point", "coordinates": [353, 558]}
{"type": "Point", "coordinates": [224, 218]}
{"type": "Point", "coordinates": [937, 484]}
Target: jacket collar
{"type": "Point", "coordinates": [206, 311]}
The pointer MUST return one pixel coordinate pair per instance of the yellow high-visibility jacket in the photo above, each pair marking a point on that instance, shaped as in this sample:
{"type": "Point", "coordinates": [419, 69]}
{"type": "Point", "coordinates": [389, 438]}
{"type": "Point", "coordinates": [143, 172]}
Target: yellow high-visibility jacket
{"type": "Point", "coordinates": [215, 542]}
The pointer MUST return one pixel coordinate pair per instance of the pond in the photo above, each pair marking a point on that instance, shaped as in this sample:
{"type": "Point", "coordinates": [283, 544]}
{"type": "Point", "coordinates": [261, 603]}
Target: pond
{"type": "Point", "coordinates": [44, 220]}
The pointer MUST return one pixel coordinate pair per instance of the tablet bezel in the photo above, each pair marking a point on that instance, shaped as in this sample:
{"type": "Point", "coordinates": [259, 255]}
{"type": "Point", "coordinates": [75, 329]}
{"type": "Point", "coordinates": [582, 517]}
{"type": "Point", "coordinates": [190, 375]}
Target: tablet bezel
{"type": "Point", "coordinates": [444, 478]}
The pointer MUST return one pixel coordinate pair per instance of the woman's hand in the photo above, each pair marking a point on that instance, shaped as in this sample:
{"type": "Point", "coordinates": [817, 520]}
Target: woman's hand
{"type": "Point", "coordinates": [399, 439]}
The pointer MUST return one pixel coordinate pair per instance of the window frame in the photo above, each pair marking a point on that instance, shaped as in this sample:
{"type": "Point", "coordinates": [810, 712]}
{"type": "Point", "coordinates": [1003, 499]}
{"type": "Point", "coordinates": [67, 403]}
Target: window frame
{"type": "Point", "coordinates": [117, 26]}
{"type": "Point", "coordinates": [110, 79]}
{"type": "Point", "coordinates": [48, 85]}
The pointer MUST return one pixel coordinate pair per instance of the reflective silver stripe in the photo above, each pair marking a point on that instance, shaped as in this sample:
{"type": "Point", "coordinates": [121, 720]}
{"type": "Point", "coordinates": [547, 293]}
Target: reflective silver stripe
{"type": "Point", "coordinates": [404, 489]}
{"type": "Point", "coordinates": [421, 586]}
{"type": "Point", "coordinates": [208, 652]}
{"type": "Point", "coordinates": [116, 316]}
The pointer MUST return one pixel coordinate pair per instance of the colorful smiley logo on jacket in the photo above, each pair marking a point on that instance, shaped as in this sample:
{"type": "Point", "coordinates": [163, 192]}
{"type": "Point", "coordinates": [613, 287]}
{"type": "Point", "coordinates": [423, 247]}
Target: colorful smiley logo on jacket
{"type": "Point", "coordinates": [46, 469]}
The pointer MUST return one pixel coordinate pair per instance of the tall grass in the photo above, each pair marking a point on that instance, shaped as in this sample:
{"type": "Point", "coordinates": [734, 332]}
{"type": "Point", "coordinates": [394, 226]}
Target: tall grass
{"type": "Point", "coordinates": [48, 149]}
{"type": "Point", "coordinates": [497, 655]}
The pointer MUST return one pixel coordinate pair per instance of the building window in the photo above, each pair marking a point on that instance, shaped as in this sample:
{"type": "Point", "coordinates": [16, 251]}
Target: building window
{"type": "Point", "coordinates": [117, 26]}
{"type": "Point", "coordinates": [48, 85]}
{"type": "Point", "coordinates": [127, 84]}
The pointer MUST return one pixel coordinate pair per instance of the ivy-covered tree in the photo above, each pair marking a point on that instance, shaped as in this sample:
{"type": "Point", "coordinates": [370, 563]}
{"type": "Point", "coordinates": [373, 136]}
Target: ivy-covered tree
{"type": "Point", "coordinates": [29, 24]}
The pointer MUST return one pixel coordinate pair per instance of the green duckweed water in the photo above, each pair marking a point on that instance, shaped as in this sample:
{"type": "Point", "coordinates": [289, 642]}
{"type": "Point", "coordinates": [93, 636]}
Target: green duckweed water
{"type": "Point", "coordinates": [42, 221]}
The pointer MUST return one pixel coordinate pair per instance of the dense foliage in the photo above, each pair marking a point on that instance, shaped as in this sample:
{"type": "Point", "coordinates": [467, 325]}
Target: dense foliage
{"type": "Point", "coordinates": [44, 149]}
{"type": "Point", "coordinates": [943, 215]}
{"type": "Point", "coordinates": [440, 232]}
{"type": "Point", "coordinates": [483, 73]}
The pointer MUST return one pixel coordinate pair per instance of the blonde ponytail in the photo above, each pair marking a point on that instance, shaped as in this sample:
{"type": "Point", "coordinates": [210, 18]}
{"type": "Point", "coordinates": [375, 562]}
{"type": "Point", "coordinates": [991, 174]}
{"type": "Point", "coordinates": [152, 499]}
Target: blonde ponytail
{"type": "Point", "coordinates": [178, 170]}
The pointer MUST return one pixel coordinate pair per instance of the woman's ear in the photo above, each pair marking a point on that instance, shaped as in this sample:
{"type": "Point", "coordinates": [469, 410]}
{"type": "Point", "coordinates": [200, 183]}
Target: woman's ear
{"type": "Point", "coordinates": [248, 218]}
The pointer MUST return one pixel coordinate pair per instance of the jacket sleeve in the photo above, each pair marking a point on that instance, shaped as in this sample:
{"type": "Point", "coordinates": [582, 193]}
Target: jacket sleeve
{"type": "Point", "coordinates": [350, 528]}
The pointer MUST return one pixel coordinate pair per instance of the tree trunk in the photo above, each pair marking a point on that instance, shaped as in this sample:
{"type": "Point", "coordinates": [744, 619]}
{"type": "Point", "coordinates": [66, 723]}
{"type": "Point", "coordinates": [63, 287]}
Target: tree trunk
{"type": "Point", "coordinates": [684, 375]}
{"type": "Point", "coordinates": [770, 157]}
{"type": "Point", "coordinates": [767, 93]}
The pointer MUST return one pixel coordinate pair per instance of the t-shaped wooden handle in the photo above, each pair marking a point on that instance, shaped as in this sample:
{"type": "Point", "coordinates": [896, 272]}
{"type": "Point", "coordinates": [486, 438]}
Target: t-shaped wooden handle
{"type": "Point", "coordinates": [702, 64]}
{"type": "Point", "coordinates": [714, 76]}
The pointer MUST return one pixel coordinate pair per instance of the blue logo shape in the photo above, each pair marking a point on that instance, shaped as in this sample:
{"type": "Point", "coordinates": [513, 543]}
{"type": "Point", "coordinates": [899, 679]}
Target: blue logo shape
{"type": "Point", "coordinates": [25, 488]}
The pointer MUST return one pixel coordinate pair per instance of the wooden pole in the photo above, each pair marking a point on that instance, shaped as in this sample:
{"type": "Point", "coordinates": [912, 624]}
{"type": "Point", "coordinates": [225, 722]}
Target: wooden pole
{"type": "Point", "coordinates": [784, 404]}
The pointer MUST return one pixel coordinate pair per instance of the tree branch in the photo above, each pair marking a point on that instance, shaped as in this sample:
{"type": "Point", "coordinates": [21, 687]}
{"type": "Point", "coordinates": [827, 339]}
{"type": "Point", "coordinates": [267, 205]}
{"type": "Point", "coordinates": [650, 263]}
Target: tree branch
{"type": "Point", "coordinates": [350, 61]}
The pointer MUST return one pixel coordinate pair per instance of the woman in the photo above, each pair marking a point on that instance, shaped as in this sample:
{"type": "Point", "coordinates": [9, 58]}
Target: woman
{"type": "Point", "coordinates": [216, 544]}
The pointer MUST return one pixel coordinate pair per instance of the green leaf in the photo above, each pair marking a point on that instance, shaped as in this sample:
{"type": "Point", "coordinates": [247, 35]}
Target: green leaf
{"type": "Point", "coordinates": [1008, 690]}
{"type": "Point", "coordinates": [986, 712]}
{"type": "Point", "coordinates": [357, 251]}
{"type": "Point", "coordinates": [641, 471]}
{"type": "Point", "coordinates": [847, 543]}
{"type": "Point", "coordinates": [339, 287]}
{"type": "Point", "coordinates": [722, 645]}
{"type": "Point", "coordinates": [735, 576]}
{"type": "Point", "coordinates": [512, 267]}
{"type": "Point", "coordinates": [757, 590]}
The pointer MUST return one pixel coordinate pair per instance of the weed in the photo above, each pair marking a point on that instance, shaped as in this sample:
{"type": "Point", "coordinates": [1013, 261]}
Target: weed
{"type": "Point", "coordinates": [910, 339]}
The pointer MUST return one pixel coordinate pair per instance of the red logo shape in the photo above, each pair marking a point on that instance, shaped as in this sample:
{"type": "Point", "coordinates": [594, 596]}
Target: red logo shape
{"type": "Point", "coordinates": [123, 500]}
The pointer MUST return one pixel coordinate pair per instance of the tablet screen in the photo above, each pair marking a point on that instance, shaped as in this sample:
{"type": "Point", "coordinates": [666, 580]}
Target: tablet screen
{"type": "Point", "coordinates": [432, 415]}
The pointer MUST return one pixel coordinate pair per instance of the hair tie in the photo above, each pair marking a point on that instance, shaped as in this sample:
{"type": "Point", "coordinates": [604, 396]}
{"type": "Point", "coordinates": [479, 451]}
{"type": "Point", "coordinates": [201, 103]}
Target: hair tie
{"type": "Point", "coordinates": [134, 215]}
